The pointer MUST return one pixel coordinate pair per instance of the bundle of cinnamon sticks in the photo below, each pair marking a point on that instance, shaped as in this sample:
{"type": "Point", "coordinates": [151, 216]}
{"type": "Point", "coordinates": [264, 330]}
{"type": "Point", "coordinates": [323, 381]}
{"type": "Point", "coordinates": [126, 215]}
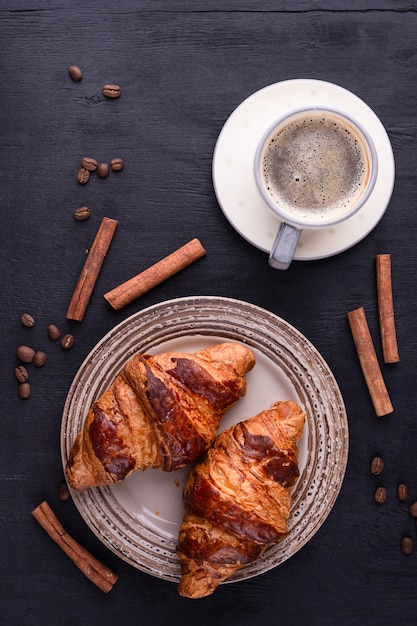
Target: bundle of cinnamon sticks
{"type": "Point", "coordinates": [363, 339]}
{"type": "Point", "coordinates": [133, 288]}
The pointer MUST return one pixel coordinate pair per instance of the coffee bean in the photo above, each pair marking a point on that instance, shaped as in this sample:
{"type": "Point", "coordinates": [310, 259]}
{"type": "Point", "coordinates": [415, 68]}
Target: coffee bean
{"type": "Point", "coordinates": [53, 332]}
{"type": "Point", "coordinates": [103, 170]}
{"type": "Point", "coordinates": [25, 354]}
{"type": "Point", "coordinates": [40, 358]}
{"type": "Point", "coordinates": [24, 390]}
{"type": "Point", "coordinates": [407, 545]}
{"type": "Point", "coordinates": [83, 213]}
{"type": "Point", "coordinates": [21, 373]}
{"type": "Point", "coordinates": [83, 176]}
{"type": "Point", "coordinates": [111, 91]}
{"type": "Point", "coordinates": [63, 492]}
{"type": "Point", "coordinates": [377, 465]}
{"type": "Point", "coordinates": [67, 342]}
{"type": "Point", "coordinates": [75, 73]}
{"type": "Point", "coordinates": [402, 491]}
{"type": "Point", "coordinates": [117, 164]}
{"type": "Point", "coordinates": [413, 509]}
{"type": "Point", "coordinates": [89, 164]}
{"type": "Point", "coordinates": [27, 320]}
{"type": "Point", "coordinates": [380, 495]}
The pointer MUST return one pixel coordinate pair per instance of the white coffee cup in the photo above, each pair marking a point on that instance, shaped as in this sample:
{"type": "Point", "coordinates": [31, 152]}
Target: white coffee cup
{"type": "Point", "coordinates": [314, 167]}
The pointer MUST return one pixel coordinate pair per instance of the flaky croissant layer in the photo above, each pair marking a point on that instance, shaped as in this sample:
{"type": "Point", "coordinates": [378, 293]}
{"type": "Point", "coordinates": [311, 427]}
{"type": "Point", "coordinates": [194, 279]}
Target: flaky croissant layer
{"type": "Point", "coordinates": [238, 498]}
{"type": "Point", "coordinates": [162, 411]}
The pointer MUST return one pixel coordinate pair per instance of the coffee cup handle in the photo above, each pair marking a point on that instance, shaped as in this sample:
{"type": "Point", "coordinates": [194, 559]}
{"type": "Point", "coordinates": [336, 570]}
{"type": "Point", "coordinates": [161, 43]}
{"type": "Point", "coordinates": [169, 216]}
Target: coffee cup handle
{"type": "Point", "coordinates": [284, 246]}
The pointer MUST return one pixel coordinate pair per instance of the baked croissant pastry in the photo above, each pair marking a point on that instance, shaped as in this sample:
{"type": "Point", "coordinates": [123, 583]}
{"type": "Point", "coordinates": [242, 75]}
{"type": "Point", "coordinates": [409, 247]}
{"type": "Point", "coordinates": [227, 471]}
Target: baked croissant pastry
{"type": "Point", "coordinates": [161, 411]}
{"type": "Point", "coordinates": [238, 498]}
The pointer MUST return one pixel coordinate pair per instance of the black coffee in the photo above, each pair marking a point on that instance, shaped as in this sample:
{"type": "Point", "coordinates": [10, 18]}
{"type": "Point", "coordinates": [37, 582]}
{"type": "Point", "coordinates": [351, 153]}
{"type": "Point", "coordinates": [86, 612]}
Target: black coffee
{"type": "Point", "coordinates": [316, 166]}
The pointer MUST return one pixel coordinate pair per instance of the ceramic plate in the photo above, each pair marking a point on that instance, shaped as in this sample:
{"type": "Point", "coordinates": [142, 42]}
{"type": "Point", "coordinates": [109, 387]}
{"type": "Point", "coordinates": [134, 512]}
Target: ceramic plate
{"type": "Point", "coordinates": [139, 518]}
{"type": "Point", "coordinates": [233, 167]}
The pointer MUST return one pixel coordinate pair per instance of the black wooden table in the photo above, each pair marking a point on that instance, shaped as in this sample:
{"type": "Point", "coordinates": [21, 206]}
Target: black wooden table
{"type": "Point", "coordinates": [183, 68]}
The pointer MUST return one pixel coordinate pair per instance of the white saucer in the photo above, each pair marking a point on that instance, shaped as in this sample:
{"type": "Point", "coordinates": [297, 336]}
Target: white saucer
{"type": "Point", "coordinates": [234, 180]}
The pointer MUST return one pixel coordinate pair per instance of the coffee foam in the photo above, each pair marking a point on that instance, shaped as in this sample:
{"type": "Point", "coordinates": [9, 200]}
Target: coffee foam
{"type": "Point", "coordinates": [316, 166]}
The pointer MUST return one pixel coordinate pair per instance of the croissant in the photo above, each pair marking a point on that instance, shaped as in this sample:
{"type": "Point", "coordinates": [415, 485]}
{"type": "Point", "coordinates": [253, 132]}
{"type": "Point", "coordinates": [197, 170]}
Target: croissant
{"type": "Point", "coordinates": [161, 411]}
{"type": "Point", "coordinates": [238, 498]}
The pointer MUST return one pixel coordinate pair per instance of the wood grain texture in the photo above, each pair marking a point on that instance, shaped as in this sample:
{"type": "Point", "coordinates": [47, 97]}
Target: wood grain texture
{"type": "Point", "coordinates": [183, 68]}
{"type": "Point", "coordinates": [222, 6]}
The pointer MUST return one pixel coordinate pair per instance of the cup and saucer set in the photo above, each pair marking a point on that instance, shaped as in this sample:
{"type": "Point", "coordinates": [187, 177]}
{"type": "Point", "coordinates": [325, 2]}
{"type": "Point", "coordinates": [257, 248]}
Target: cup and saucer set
{"type": "Point", "coordinates": [237, 189]}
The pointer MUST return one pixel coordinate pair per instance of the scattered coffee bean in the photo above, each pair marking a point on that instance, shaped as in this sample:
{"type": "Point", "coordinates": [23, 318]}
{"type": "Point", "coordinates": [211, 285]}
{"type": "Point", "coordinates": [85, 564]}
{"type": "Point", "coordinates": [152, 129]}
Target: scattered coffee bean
{"type": "Point", "coordinates": [63, 492]}
{"type": "Point", "coordinates": [75, 73]}
{"type": "Point", "coordinates": [40, 358]}
{"type": "Point", "coordinates": [380, 495]}
{"type": "Point", "coordinates": [24, 390]}
{"type": "Point", "coordinates": [83, 213]}
{"type": "Point", "coordinates": [67, 342]}
{"type": "Point", "coordinates": [117, 164]}
{"type": "Point", "coordinates": [89, 164]}
{"type": "Point", "coordinates": [53, 332]}
{"type": "Point", "coordinates": [103, 170]}
{"type": "Point", "coordinates": [25, 354]}
{"type": "Point", "coordinates": [111, 91]}
{"type": "Point", "coordinates": [27, 320]}
{"type": "Point", "coordinates": [21, 374]}
{"type": "Point", "coordinates": [413, 509]}
{"type": "Point", "coordinates": [83, 176]}
{"type": "Point", "coordinates": [407, 545]}
{"type": "Point", "coordinates": [402, 491]}
{"type": "Point", "coordinates": [377, 465]}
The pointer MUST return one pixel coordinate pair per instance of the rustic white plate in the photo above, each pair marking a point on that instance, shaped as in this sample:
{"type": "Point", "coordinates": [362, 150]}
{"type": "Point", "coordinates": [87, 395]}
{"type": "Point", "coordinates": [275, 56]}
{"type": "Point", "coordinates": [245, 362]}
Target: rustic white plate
{"type": "Point", "coordinates": [139, 518]}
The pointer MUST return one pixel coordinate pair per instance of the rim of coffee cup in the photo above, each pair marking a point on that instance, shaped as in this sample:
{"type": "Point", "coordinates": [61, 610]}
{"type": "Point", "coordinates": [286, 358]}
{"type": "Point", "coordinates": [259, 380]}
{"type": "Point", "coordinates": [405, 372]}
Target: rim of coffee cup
{"type": "Point", "coordinates": [307, 224]}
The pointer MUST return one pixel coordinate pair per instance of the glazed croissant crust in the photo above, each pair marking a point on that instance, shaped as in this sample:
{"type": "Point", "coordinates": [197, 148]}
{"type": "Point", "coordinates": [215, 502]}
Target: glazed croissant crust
{"type": "Point", "coordinates": [238, 498]}
{"type": "Point", "coordinates": [162, 411]}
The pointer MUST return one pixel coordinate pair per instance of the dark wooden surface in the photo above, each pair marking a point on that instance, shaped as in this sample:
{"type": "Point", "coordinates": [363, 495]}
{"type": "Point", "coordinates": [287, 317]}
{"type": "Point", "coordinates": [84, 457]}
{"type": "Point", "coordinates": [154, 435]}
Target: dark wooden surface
{"type": "Point", "coordinates": [183, 67]}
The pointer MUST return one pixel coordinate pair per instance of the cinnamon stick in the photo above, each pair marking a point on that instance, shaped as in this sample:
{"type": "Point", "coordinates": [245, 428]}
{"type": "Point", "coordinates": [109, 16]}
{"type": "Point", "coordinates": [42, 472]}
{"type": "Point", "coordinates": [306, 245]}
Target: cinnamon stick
{"type": "Point", "coordinates": [91, 567]}
{"type": "Point", "coordinates": [135, 287]}
{"type": "Point", "coordinates": [369, 362]}
{"type": "Point", "coordinates": [386, 308]}
{"type": "Point", "coordinates": [91, 270]}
